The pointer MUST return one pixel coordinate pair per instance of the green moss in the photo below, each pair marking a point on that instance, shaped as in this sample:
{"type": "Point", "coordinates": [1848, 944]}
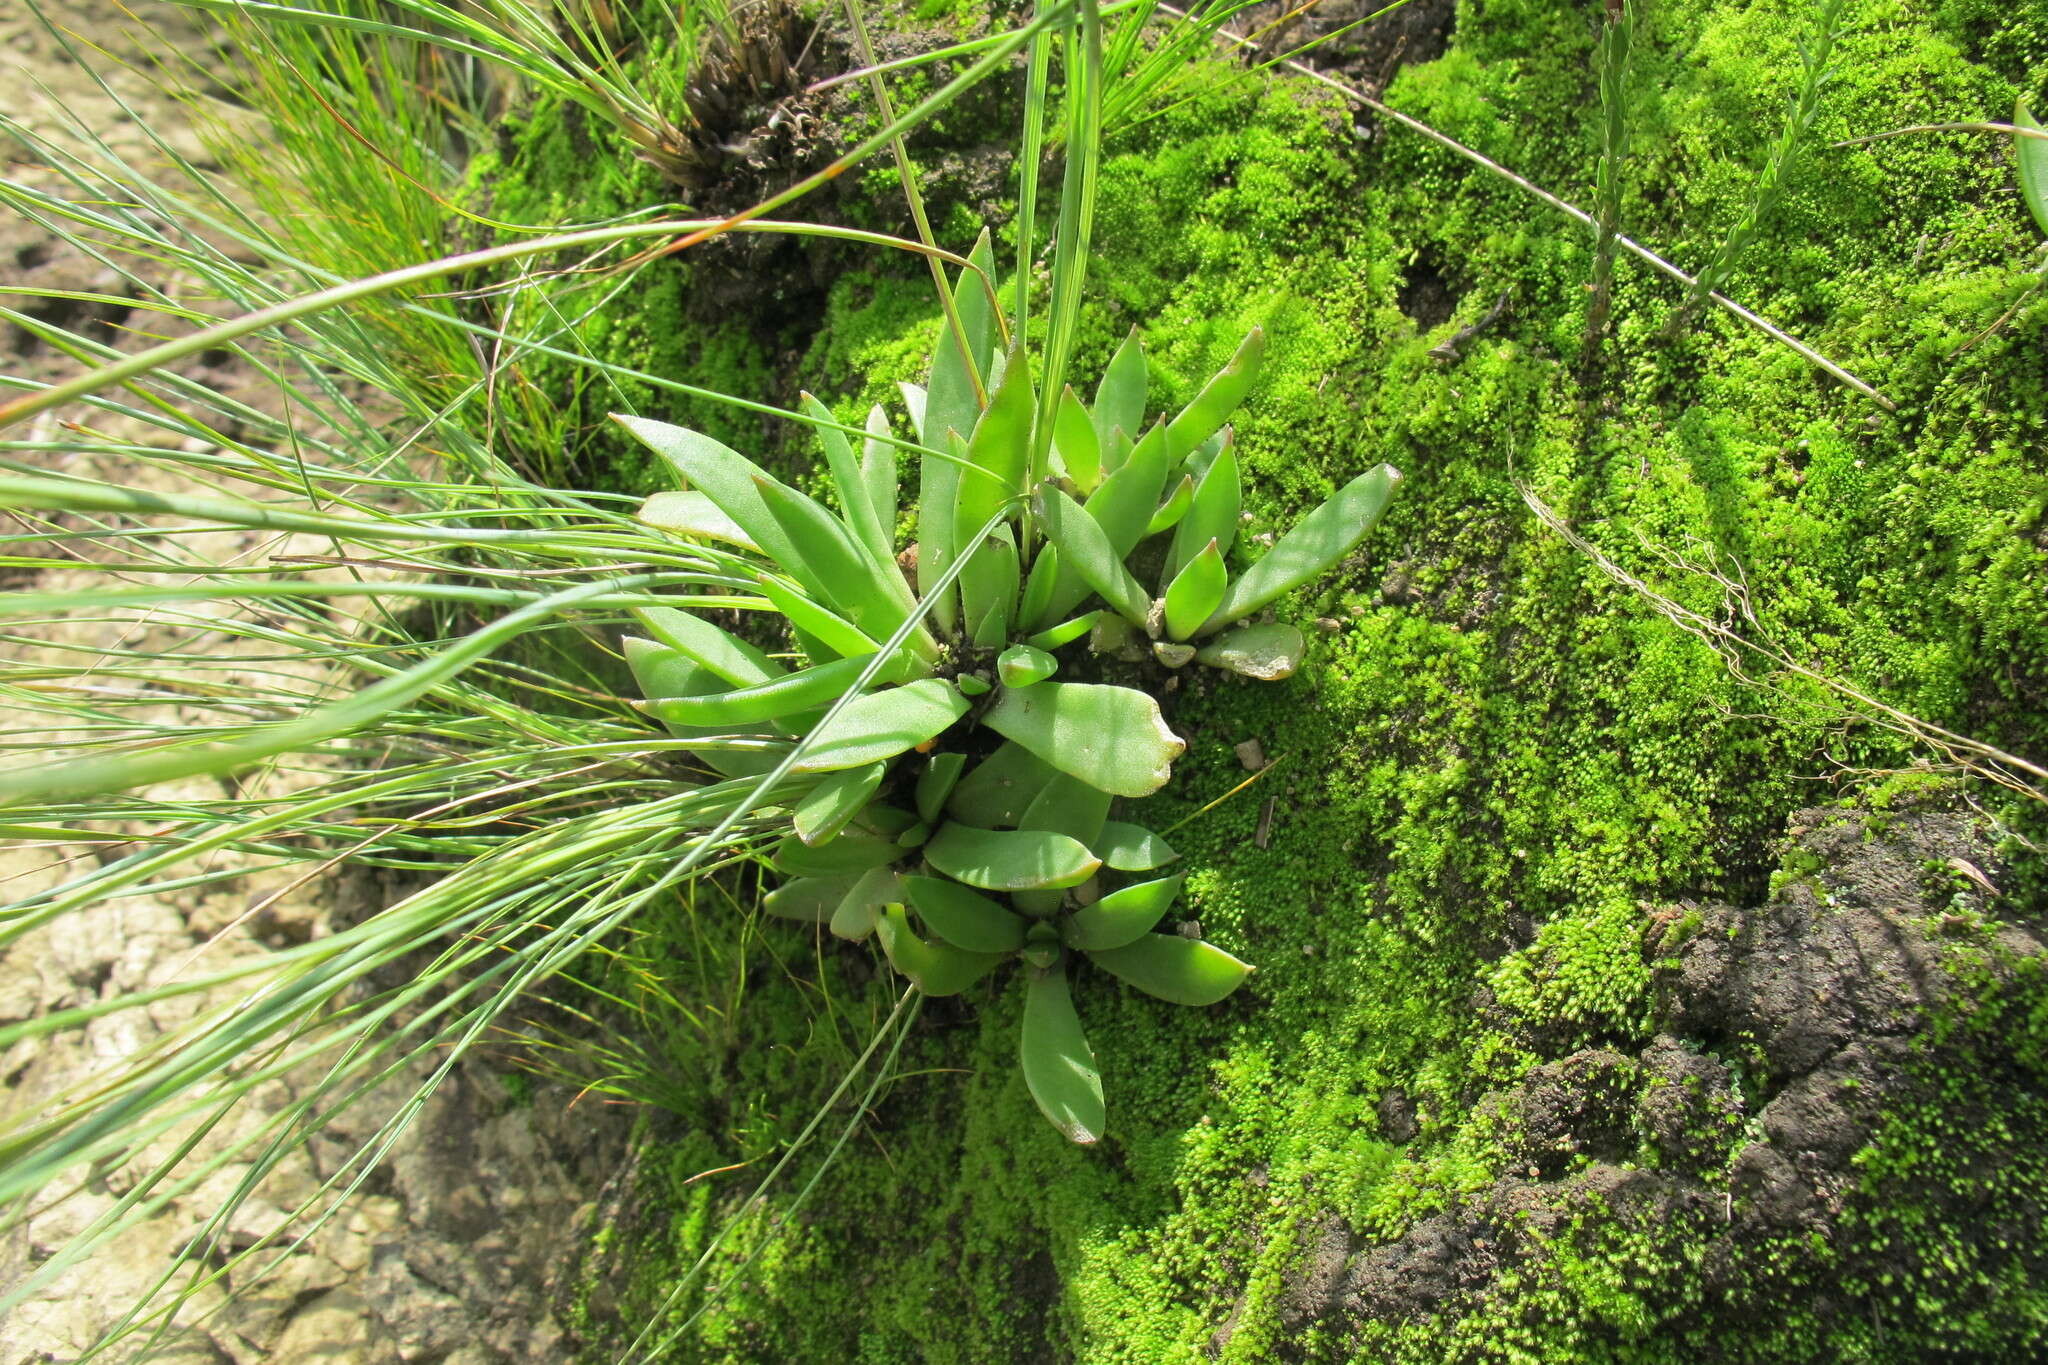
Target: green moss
{"type": "Point", "coordinates": [1499, 759]}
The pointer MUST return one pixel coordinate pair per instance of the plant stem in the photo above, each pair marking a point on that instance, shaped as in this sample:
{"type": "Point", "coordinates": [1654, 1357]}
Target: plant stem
{"type": "Point", "coordinates": [1770, 184]}
{"type": "Point", "coordinates": [1616, 41]}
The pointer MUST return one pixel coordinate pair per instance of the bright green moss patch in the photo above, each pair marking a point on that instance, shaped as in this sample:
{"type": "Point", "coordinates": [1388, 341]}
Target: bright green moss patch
{"type": "Point", "coordinates": [1498, 762]}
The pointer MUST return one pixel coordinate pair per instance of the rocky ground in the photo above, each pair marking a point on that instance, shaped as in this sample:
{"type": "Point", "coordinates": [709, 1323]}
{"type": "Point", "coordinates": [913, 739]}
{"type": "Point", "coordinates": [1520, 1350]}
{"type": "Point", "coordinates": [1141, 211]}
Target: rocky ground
{"type": "Point", "coordinates": [452, 1251]}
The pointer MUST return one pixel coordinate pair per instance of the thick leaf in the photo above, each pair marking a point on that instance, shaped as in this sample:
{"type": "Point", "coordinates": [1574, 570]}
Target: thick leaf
{"type": "Point", "coordinates": [1121, 917]}
{"type": "Point", "coordinates": [856, 509]}
{"type": "Point", "coordinates": [663, 672]}
{"type": "Point", "coordinates": [1086, 550]}
{"type": "Point", "coordinates": [964, 918]}
{"type": "Point", "coordinates": [936, 783]}
{"type": "Point", "coordinates": [1021, 665]}
{"type": "Point", "coordinates": [725, 654]}
{"type": "Point", "coordinates": [914, 403]}
{"type": "Point", "coordinates": [1058, 1065]}
{"type": "Point", "coordinates": [1000, 452]}
{"type": "Point", "coordinates": [730, 480]}
{"type": "Point", "coordinates": [999, 789]}
{"type": "Point", "coordinates": [878, 473]}
{"type": "Point", "coordinates": [1174, 508]}
{"type": "Point", "coordinates": [1073, 437]}
{"type": "Point", "coordinates": [1068, 806]}
{"type": "Point", "coordinates": [1212, 407]}
{"type": "Point", "coordinates": [1183, 970]}
{"type": "Point", "coordinates": [784, 696]}
{"type": "Point", "coordinates": [1322, 538]}
{"type": "Point", "coordinates": [1039, 586]}
{"type": "Point", "coordinates": [820, 816]}
{"type": "Point", "coordinates": [1123, 507]}
{"type": "Point", "coordinates": [848, 857]}
{"type": "Point", "coordinates": [2032, 155]}
{"type": "Point", "coordinates": [844, 639]}
{"type": "Point", "coordinates": [1266, 652]}
{"type": "Point", "coordinates": [883, 724]}
{"type": "Point", "coordinates": [1171, 655]}
{"type": "Point", "coordinates": [1009, 859]}
{"type": "Point", "coordinates": [1110, 737]}
{"type": "Point", "coordinates": [1066, 632]}
{"type": "Point", "coordinates": [854, 585]}
{"type": "Point", "coordinates": [1213, 515]}
{"type": "Point", "coordinates": [1120, 399]}
{"type": "Point", "coordinates": [810, 899]}
{"type": "Point", "coordinates": [988, 589]}
{"type": "Point", "coordinates": [693, 513]}
{"type": "Point", "coordinates": [935, 968]}
{"type": "Point", "coordinates": [1196, 591]}
{"type": "Point", "coordinates": [950, 406]}
{"type": "Point", "coordinates": [1131, 848]}
{"type": "Point", "coordinates": [856, 915]}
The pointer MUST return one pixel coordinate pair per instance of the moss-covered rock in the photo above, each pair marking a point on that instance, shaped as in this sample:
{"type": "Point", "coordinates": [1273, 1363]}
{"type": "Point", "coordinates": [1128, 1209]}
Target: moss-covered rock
{"type": "Point", "coordinates": [1503, 766]}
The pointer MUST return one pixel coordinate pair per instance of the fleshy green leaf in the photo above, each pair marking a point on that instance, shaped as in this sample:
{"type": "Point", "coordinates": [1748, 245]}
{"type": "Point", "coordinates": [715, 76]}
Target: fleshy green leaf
{"type": "Point", "coordinates": [1266, 652]}
{"type": "Point", "coordinates": [692, 513]}
{"type": "Point", "coordinates": [1022, 665]}
{"type": "Point", "coordinates": [936, 782]}
{"type": "Point", "coordinates": [1009, 859]}
{"type": "Point", "coordinates": [1000, 788]}
{"type": "Point", "coordinates": [1110, 737]}
{"type": "Point", "coordinates": [820, 816]}
{"type": "Point", "coordinates": [784, 696]}
{"type": "Point", "coordinates": [1196, 591]}
{"type": "Point", "coordinates": [1213, 514]}
{"type": "Point", "coordinates": [1120, 399]}
{"type": "Point", "coordinates": [935, 968]}
{"type": "Point", "coordinates": [730, 480]}
{"type": "Point", "coordinates": [1058, 1065]}
{"type": "Point", "coordinates": [1174, 508]}
{"type": "Point", "coordinates": [1000, 452]}
{"type": "Point", "coordinates": [1068, 806]}
{"type": "Point", "coordinates": [950, 405]}
{"type": "Point", "coordinates": [1039, 586]}
{"type": "Point", "coordinates": [972, 685]}
{"type": "Point", "coordinates": [1073, 436]}
{"type": "Point", "coordinates": [988, 589]}
{"type": "Point", "coordinates": [810, 899]}
{"type": "Point", "coordinates": [1123, 506]}
{"type": "Point", "coordinates": [725, 654]}
{"type": "Point", "coordinates": [878, 473]}
{"type": "Point", "coordinates": [1182, 970]}
{"type": "Point", "coordinates": [914, 404]}
{"type": "Point", "coordinates": [1212, 407]}
{"type": "Point", "coordinates": [2032, 155]}
{"type": "Point", "coordinates": [827, 627]}
{"type": "Point", "coordinates": [855, 918]}
{"type": "Point", "coordinates": [883, 724]}
{"type": "Point", "coordinates": [844, 859]}
{"type": "Point", "coordinates": [1083, 547]}
{"type": "Point", "coordinates": [1131, 848]}
{"type": "Point", "coordinates": [963, 918]}
{"type": "Point", "coordinates": [854, 586]}
{"type": "Point", "coordinates": [856, 509]}
{"type": "Point", "coordinates": [1321, 538]}
{"type": "Point", "coordinates": [1066, 632]}
{"type": "Point", "coordinates": [1122, 916]}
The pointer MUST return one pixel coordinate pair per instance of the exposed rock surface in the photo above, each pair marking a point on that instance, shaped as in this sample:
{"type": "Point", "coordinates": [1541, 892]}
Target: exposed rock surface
{"type": "Point", "coordinates": [1787, 1034]}
{"type": "Point", "coordinates": [449, 1252]}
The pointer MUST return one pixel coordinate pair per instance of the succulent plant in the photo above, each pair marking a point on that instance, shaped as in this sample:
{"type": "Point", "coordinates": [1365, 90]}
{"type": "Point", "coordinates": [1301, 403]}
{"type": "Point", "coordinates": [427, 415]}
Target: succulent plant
{"type": "Point", "coordinates": [959, 810]}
